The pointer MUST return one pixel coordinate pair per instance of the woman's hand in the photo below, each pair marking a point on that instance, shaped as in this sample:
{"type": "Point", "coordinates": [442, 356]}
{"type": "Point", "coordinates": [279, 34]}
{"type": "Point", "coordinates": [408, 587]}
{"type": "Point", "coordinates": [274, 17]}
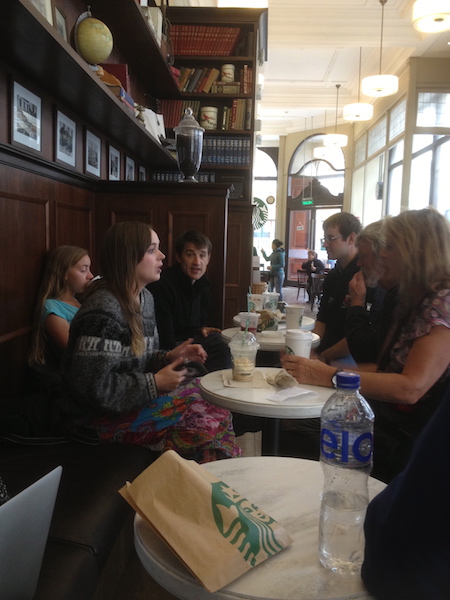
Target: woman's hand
{"type": "Point", "coordinates": [357, 289]}
{"type": "Point", "coordinates": [305, 370]}
{"type": "Point", "coordinates": [189, 351]}
{"type": "Point", "coordinates": [169, 378]}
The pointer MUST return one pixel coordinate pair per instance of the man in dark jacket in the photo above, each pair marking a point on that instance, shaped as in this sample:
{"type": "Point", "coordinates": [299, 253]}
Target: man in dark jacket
{"type": "Point", "coordinates": [182, 298]}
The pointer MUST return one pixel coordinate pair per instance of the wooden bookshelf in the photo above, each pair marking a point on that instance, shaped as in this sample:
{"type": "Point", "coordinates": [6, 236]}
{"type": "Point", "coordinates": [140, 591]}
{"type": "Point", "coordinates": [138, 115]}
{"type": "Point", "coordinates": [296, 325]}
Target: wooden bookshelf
{"type": "Point", "coordinates": [229, 165]}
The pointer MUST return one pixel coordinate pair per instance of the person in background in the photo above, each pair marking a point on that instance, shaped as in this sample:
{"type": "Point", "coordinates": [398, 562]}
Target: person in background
{"type": "Point", "coordinates": [312, 265]}
{"type": "Point", "coordinates": [277, 261]}
{"type": "Point", "coordinates": [182, 301]}
{"type": "Point", "coordinates": [407, 525]}
{"type": "Point", "coordinates": [367, 323]}
{"type": "Point", "coordinates": [340, 232]}
{"type": "Point", "coordinates": [413, 370]}
{"type": "Point", "coordinates": [119, 384]}
{"type": "Point", "coordinates": [67, 275]}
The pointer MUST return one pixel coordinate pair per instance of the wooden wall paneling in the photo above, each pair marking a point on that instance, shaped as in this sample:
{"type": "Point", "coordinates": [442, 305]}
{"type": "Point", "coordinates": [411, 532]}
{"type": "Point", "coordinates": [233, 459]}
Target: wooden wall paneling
{"type": "Point", "coordinates": [32, 220]}
{"type": "Point", "coordinates": [238, 259]}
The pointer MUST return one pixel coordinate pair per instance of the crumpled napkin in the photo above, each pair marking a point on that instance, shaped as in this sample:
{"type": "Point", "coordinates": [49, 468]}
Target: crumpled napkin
{"type": "Point", "coordinates": [290, 387]}
{"type": "Point", "coordinates": [259, 381]}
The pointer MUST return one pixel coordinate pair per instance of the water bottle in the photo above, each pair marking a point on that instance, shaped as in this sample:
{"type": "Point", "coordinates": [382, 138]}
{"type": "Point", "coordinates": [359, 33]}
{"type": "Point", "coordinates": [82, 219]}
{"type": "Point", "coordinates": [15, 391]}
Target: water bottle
{"type": "Point", "coordinates": [346, 438]}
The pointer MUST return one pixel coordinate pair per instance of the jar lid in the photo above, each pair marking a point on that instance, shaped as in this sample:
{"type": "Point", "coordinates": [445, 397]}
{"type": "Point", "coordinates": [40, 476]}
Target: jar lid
{"type": "Point", "coordinates": [188, 122]}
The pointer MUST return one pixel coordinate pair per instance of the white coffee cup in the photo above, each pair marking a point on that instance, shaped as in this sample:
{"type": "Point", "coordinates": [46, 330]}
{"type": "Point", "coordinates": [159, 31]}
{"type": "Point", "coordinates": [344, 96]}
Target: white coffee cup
{"type": "Point", "coordinates": [208, 117]}
{"type": "Point", "coordinates": [294, 316]}
{"type": "Point", "coordinates": [227, 73]}
{"type": "Point", "coordinates": [298, 342]}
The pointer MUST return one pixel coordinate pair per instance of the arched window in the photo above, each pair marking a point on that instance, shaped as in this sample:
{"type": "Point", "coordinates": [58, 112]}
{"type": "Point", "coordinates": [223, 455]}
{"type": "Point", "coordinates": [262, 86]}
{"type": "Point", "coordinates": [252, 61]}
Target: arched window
{"type": "Point", "coordinates": [264, 193]}
{"type": "Point", "coordinates": [312, 160]}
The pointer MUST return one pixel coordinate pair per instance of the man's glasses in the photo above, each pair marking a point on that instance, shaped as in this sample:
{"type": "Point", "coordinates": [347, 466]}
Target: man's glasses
{"type": "Point", "coordinates": [329, 238]}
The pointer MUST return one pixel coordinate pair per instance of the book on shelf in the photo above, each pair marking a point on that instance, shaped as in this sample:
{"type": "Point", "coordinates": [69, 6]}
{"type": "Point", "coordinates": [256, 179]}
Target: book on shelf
{"type": "Point", "coordinates": [225, 87]}
{"type": "Point", "coordinates": [202, 81]}
{"type": "Point", "coordinates": [204, 40]}
{"type": "Point", "coordinates": [226, 151]}
{"type": "Point", "coordinates": [120, 72]}
{"type": "Point", "coordinates": [212, 77]}
{"type": "Point", "coordinates": [193, 79]}
{"type": "Point", "coordinates": [202, 176]}
{"type": "Point", "coordinates": [123, 96]}
{"type": "Point", "coordinates": [173, 110]}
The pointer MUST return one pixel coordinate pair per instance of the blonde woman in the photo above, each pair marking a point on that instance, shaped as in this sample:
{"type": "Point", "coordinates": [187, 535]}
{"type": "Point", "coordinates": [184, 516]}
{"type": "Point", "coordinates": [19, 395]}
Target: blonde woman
{"type": "Point", "coordinates": [66, 276]}
{"type": "Point", "coordinates": [408, 382]}
{"type": "Point", "coordinates": [119, 383]}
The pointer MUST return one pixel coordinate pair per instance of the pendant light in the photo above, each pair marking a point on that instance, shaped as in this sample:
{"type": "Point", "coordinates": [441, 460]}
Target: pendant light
{"type": "Point", "coordinates": [380, 85]}
{"type": "Point", "coordinates": [336, 139]}
{"type": "Point", "coordinates": [359, 111]}
{"type": "Point", "coordinates": [321, 152]}
{"type": "Point", "coordinates": [431, 16]}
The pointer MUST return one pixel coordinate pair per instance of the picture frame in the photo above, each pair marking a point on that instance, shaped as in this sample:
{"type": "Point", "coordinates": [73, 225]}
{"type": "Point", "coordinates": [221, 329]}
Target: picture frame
{"type": "Point", "coordinates": [129, 169]}
{"type": "Point", "coordinates": [61, 23]}
{"type": "Point", "coordinates": [66, 139]}
{"type": "Point", "coordinates": [114, 164]}
{"type": "Point", "coordinates": [45, 8]}
{"type": "Point", "coordinates": [142, 173]}
{"type": "Point", "coordinates": [93, 154]}
{"type": "Point", "coordinates": [26, 118]}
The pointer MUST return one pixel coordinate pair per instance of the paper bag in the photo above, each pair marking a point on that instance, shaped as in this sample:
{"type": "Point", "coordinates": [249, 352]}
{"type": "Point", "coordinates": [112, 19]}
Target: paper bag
{"type": "Point", "coordinates": [216, 532]}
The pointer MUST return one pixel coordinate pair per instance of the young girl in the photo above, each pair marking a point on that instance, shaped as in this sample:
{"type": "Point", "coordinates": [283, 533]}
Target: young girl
{"type": "Point", "coordinates": [119, 383]}
{"type": "Point", "coordinates": [67, 274]}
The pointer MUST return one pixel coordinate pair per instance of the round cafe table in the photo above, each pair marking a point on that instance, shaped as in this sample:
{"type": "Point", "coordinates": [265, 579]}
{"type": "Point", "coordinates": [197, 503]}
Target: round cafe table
{"type": "Point", "coordinates": [287, 489]}
{"type": "Point", "coordinates": [254, 401]}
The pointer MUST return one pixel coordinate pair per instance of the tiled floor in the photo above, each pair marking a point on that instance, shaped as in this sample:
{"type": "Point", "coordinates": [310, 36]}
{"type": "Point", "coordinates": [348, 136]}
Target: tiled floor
{"type": "Point", "coordinates": [136, 584]}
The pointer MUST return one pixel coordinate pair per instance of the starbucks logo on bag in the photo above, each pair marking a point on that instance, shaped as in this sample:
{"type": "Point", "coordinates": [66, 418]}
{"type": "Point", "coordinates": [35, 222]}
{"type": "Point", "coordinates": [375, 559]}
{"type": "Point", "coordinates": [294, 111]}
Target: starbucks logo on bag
{"type": "Point", "coordinates": [243, 524]}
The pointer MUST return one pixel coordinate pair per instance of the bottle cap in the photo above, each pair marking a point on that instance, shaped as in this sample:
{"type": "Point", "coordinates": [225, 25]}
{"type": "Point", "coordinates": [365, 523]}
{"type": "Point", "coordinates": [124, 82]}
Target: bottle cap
{"type": "Point", "coordinates": [348, 381]}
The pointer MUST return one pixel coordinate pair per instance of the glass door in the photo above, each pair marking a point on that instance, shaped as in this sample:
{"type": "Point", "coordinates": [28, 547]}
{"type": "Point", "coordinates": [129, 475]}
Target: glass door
{"type": "Point", "coordinates": [305, 230]}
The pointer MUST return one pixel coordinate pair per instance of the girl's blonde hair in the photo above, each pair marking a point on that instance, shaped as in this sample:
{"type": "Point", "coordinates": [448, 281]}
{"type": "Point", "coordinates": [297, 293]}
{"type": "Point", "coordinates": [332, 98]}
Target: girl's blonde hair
{"type": "Point", "coordinates": [58, 262]}
{"type": "Point", "coordinates": [422, 240]}
{"type": "Point", "coordinates": [123, 247]}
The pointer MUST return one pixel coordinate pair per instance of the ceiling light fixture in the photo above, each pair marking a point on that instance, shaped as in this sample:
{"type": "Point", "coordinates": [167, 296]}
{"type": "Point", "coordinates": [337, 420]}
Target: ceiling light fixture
{"type": "Point", "coordinates": [380, 85]}
{"type": "Point", "coordinates": [336, 139]}
{"type": "Point", "coordinates": [431, 16]}
{"type": "Point", "coordinates": [359, 111]}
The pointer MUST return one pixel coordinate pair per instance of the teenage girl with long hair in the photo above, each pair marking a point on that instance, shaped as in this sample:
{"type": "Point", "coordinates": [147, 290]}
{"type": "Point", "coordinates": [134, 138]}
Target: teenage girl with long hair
{"type": "Point", "coordinates": [119, 383]}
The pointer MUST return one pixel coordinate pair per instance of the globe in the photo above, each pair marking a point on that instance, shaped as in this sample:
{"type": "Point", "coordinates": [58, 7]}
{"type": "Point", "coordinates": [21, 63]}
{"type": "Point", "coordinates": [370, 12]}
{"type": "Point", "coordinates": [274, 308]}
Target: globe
{"type": "Point", "coordinates": [94, 40]}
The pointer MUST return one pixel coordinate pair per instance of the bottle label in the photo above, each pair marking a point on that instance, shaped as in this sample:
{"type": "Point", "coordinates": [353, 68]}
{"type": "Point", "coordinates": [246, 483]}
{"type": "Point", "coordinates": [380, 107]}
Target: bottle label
{"type": "Point", "coordinates": [345, 447]}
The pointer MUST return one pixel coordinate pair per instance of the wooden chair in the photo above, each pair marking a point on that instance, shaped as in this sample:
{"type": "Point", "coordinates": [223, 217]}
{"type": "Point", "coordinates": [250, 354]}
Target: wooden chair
{"type": "Point", "coordinates": [316, 288]}
{"type": "Point", "coordinates": [302, 282]}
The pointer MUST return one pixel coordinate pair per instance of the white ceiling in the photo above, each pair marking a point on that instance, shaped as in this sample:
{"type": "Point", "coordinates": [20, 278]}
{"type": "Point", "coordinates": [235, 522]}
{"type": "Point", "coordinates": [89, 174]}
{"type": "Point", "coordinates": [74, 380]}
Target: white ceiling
{"type": "Point", "coordinates": [315, 44]}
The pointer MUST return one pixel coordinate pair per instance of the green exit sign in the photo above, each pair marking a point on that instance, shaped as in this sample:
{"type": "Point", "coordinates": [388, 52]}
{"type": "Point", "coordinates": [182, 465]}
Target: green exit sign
{"type": "Point", "coordinates": [308, 202]}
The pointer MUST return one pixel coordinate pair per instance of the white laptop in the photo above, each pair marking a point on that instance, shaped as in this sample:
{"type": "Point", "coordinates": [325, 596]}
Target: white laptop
{"type": "Point", "coordinates": [24, 525]}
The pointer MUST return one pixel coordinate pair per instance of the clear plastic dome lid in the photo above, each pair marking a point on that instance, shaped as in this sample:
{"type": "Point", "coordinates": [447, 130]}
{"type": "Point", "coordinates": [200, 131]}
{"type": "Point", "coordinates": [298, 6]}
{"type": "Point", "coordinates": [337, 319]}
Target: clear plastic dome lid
{"type": "Point", "coordinates": [187, 123]}
{"type": "Point", "coordinates": [243, 339]}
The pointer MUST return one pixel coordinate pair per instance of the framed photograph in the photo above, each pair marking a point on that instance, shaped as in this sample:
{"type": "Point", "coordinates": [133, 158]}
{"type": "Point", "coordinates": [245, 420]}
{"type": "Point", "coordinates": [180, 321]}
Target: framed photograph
{"type": "Point", "coordinates": [93, 154]}
{"type": "Point", "coordinates": [66, 139]}
{"type": "Point", "coordinates": [142, 173]}
{"type": "Point", "coordinates": [45, 8]}
{"type": "Point", "coordinates": [129, 169]}
{"type": "Point", "coordinates": [114, 164]}
{"type": "Point", "coordinates": [26, 122]}
{"type": "Point", "coordinates": [60, 23]}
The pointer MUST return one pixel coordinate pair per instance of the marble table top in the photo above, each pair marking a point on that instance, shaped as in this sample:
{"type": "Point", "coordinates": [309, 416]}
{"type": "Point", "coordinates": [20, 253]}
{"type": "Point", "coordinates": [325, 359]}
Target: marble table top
{"type": "Point", "coordinates": [253, 401]}
{"type": "Point", "coordinates": [274, 341]}
{"type": "Point", "coordinates": [288, 489]}
{"type": "Point", "coordinates": [308, 324]}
